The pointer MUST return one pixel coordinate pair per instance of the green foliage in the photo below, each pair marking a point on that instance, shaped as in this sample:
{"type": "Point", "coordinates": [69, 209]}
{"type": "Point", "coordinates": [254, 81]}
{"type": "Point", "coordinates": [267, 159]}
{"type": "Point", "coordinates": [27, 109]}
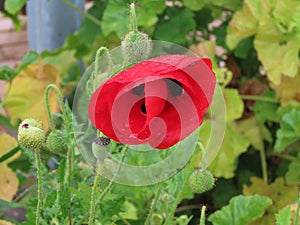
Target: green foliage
{"type": "Point", "coordinates": [246, 40]}
{"type": "Point", "coordinates": [241, 210]}
{"type": "Point", "coordinates": [284, 216]}
{"type": "Point", "coordinates": [289, 131]}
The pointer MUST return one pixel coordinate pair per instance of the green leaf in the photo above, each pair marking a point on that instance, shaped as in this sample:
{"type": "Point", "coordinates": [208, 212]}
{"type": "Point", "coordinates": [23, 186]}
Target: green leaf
{"type": "Point", "coordinates": [266, 111]}
{"type": "Point", "coordinates": [289, 131]}
{"type": "Point", "coordinates": [13, 6]}
{"type": "Point", "coordinates": [7, 73]}
{"type": "Point", "coordinates": [284, 216]}
{"type": "Point", "coordinates": [241, 210]}
{"type": "Point", "coordinates": [195, 5]}
{"type": "Point", "coordinates": [176, 27]}
{"type": "Point", "coordinates": [234, 104]}
{"type": "Point", "coordinates": [116, 18]}
{"type": "Point", "coordinates": [88, 29]}
{"type": "Point", "coordinates": [255, 132]}
{"type": "Point", "coordinates": [29, 58]}
{"type": "Point", "coordinates": [233, 145]}
{"type": "Point", "coordinates": [292, 176]}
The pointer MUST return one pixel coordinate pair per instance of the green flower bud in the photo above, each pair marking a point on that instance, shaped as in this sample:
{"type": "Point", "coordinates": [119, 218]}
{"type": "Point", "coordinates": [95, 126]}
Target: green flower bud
{"type": "Point", "coordinates": [201, 181]}
{"type": "Point", "coordinates": [56, 142]}
{"type": "Point", "coordinates": [136, 47]}
{"type": "Point", "coordinates": [31, 134]}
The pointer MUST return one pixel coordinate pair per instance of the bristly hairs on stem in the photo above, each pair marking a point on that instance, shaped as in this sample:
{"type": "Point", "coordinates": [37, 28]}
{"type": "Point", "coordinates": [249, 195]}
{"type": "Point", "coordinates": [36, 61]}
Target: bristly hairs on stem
{"type": "Point", "coordinates": [153, 204]}
{"type": "Point", "coordinates": [40, 186]}
{"type": "Point", "coordinates": [69, 166]}
{"type": "Point", "coordinates": [99, 52]}
{"type": "Point", "coordinates": [133, 20]}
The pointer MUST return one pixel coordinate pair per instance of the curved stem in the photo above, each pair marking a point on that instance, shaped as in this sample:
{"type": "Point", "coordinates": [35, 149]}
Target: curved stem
{"type": "Point", "coordinates": [133, 20]}
{"type": "Point", "coordinates": [259, 98]}
{"type": "Point", "coordinates": [69, 166]}
{"type": "Point", "coordinates": [152, 207]}
{"type": "Point", "coordinates": [98, 54]}
{"type": "Point", "coordinates": [40, 187]}
{"type": "Point", "coordinates": [85, 14]}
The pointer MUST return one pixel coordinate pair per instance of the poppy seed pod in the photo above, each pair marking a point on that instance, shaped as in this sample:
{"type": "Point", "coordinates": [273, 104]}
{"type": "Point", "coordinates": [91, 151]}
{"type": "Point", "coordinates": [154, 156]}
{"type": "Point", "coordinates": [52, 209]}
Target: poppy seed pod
{"type": "Point", "coordinates": [31, 134]}
{"type": "Point", "coordinates": [56, 142]}
{"type": "Point", "coordinates": [136, 46]}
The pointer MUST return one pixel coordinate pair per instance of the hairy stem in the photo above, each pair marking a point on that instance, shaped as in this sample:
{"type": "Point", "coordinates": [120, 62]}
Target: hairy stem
{"type": "Point", "coordinates": [98, 54]}
{"type": "Point", "coordinates": [133, 20]}
{"type": "Point", "coordinates": [69, 166]}
{"type": "Point", "coordinates": [2, 102]}
{"type": "Point", "coordinates": [259, 98]}
{"type": "Point", "coordinates": [40, 187]}
{"type": "Point", "coordinates": [297, 210]}
{"type": "Point", "coordinates": [85, 14]}
{"type": "Point", "coordinates": [93, 198]}
{"type": "Point", "coordinates": [153, 204]}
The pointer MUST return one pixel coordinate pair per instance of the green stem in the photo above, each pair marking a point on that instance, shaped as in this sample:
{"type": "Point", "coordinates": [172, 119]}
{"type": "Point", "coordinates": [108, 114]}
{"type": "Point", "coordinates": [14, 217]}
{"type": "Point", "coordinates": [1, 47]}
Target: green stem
{"type": "Point", "coordinates": [69, 166]}
{"type": "Point", "coordinates": [153, 204]}
{"type": "Point", "coordinates": [297, 210]}
{"type": "Point", "coordinates": [40, 187]}
{"type": "Point", "coordinates": [93, 202]}
{"type": "Point", "coordinates": [202, 216]}
{"type": "Point", "coordinates": [85, 14]}
{"type": "Point", "coordinates": [263, 160]}
{"type": "Point", "coordinates": [170, 216]}
{"type": "Point", "coordinates": [93, 198]}
{"type": "Point", "coordinates": [259, 98]}
{"type": "Point", "coordinates": [133, 20]}
{"type": "Point", "coordinates": [98, 54]}
{"type": "Point", "coordinates": [109, 186]}
{"type": "Point", "coordinates": [285, 156]}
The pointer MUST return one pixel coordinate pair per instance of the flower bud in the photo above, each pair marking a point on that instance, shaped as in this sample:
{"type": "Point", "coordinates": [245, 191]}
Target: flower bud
{"type": "Point", "coordinates": [136, 47]}
{"type": "Point", "coordinates": [201, 181]}
{"type": "Point", "coordinates": [56, 142]}
{"type": "Point", "coordinates": [31, 134]}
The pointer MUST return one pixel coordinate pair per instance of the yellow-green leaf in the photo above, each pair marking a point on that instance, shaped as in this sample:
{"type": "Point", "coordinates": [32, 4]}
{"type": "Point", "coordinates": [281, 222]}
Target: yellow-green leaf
{"type": "Point", "coordinates": [280, 193]}
{"type": "Point", "coordinates": [233, 145]}
{"type": "Point", "coordinates": [8, 183]}
{"type": "Point", "coordinates": [234, 104]}
{"type": "Point", "coordinates": [7, 143]}
{"type": "Point", "coordinates": [26, 97]}
{"type": "Point", "coordinates": [256, 133]}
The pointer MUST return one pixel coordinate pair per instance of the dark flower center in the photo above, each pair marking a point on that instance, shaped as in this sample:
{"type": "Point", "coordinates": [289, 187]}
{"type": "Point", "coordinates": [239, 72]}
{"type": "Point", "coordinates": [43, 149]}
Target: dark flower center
{"type": "Point", "coordinates": [143, 108]}
{"type": "Point", "coordinates": [174, 87]}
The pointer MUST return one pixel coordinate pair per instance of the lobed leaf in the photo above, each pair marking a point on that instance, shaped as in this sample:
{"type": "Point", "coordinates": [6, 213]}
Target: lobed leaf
{"type": "Point", "coordinates": [241, 210]}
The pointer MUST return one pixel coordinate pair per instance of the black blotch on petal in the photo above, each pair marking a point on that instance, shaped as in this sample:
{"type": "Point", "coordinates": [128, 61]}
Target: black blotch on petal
{"type": "Point", "coordinates": [174, 86]}
{"type": "Point", "coordinates": [143, 108]}
{"type": "Point", "coordinates": [138, 90]}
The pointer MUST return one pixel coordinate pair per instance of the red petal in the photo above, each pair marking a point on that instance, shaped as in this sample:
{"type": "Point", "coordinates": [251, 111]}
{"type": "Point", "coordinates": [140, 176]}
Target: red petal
{"type": "Point", "coordinates": [116, 111]}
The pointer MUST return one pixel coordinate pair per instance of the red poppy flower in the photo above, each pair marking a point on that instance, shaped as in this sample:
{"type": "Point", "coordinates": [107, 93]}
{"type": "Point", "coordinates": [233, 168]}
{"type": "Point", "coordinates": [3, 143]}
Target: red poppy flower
{"type": "Point", "coordinates": [159, 101]}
